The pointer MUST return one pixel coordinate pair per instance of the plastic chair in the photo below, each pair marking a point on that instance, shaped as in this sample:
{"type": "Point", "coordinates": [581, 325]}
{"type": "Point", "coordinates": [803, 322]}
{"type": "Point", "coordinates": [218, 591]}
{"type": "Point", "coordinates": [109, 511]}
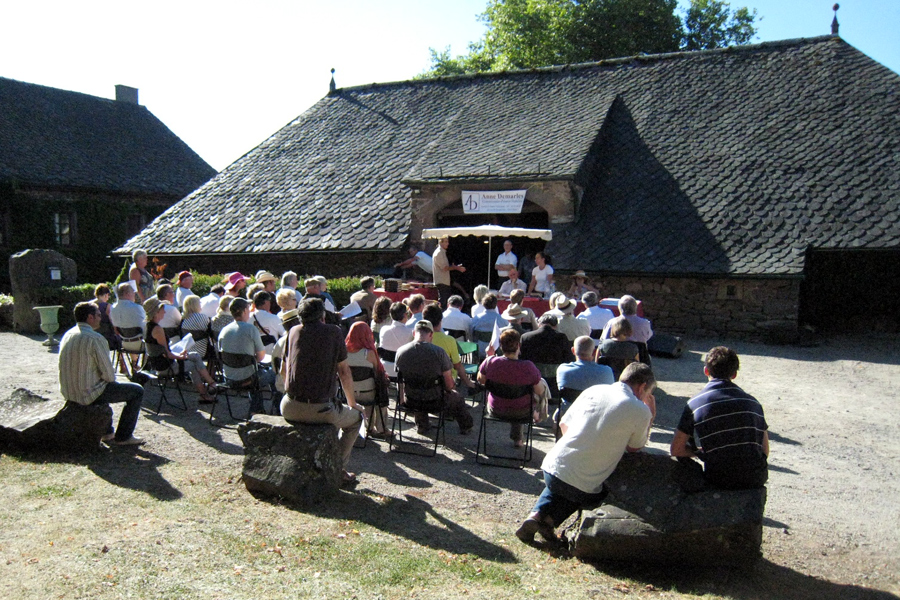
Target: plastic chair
{"type": "Point", "coordinates": [506, 391]}
{"type": "Point", "coordinates": [410, 395]}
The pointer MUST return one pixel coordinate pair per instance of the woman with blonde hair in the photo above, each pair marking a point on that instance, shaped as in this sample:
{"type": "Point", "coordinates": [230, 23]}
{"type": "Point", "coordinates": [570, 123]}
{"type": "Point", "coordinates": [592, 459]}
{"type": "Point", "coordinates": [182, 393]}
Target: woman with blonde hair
{"type": "Point", "coordinates": [478, 295]}
{"type": "Point", "coordinates": [193, 320]}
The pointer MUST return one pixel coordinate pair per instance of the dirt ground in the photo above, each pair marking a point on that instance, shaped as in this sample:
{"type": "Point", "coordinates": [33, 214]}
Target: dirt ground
{"type": "Point", "coordinates": [833, 511]}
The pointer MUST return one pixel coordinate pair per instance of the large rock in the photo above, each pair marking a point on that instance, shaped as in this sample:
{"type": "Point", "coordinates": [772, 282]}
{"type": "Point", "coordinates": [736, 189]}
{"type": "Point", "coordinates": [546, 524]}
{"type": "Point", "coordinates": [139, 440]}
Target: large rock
{"type": "Point", "coordinates": [30, 271]}
{"type": "Point", "coordinates": [292, 460]}
{"type": "Point", "coordinates": [649, 517]}
{"type": "Point", "coordinates": [32, 422]}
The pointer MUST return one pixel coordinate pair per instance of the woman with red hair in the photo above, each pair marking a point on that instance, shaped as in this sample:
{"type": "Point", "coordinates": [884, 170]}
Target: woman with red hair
{"type": "Point", "coordinates": [361, 352]}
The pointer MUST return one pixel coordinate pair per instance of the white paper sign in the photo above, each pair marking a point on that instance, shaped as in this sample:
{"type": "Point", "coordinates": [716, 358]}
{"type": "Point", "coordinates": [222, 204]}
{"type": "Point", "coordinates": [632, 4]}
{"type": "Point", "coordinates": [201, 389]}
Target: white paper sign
{"type": "Point", "coordinates": [509, 201]}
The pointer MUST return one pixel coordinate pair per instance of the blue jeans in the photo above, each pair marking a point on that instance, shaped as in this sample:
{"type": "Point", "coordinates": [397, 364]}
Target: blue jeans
{"type": "Point", "coordinates": [559, 500]}
{"type": "Point", "coordinates": [132, 395]}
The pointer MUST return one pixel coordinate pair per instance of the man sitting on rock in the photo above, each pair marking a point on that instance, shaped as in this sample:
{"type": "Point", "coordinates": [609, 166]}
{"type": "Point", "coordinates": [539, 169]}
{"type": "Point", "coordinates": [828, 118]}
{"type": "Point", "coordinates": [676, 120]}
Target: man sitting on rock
{"type": "Point", "coordinates": [725, 427]}
{"type": "Point", "coordinates": [316, 354]}
{"type": "Point", "coordinates": [607, 421]}
{"type": "Point", "coordinates": [86, 375]}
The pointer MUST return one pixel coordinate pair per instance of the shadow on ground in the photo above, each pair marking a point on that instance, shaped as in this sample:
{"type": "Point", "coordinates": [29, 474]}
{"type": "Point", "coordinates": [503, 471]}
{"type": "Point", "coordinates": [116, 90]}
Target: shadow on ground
{"type": "Point", "coordinates": [762, 579]}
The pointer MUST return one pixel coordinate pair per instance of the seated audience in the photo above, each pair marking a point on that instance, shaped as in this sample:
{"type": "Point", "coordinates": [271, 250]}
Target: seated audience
{"type": "Point", "coordinates": [161, 359]}
{"type": "Point", "coordinates": [106, 329]}
{"type": "Point", "coordinates": [241, 337]}
{"type": "Point", "coordinates": [361, 352]}
{"type": "Point", "coordinates": [514, 315]}
{"type": "Point", "coordinates": [209, 303]}
{"type": "Point", "coordinates": [171, 318]}
{"type": "Point", "coordinates": [261, 317]}
{"type": "Point", "coordinates": [455, 319]}
{"type": "Point", "coordinates": [508, 370]}
{"type": "Point", "coordinates": [434, 316]}
{"type": "Point", "coordinates": [314, 290]}
{"type": "Point", "coordinates": [724, 427]}
{"type": "Point", "coordinates": [478, 295]}
{"type": "Point", "coordinates": [183, 290]}
{"type": "Point", "coordinates": [568, 324]}
{"type": "Point", "coordinates": [421, 361]}
{"type": "Point", "coordinates": [596, 317]}
{"type": "Point", "coordinates": [234, 283]}
{"type": "Point", "coordinates": [583, 373]}
{"type": "Point", "coordinates": [394, 336]}
{"type": "Point", "coordinates": [545, 345]}
{"type": "Point", "coordinates": [223, 316]}
{"type": "Point", "coordinates": [640, 327]}
{"type": "Point", "coordinates": [381, 315]}
{"type": "Point", "coordinates": [193, 319]}
{"type": "Point", "coordinates": [289, 319]}
{"type": "Point", "coordinates": [485, 323]}
{"type": "Point", "coordinates": [289, 281]}
{"type": "Point", "coordinates": [267, 280]}
{"type": "Point", "coordinates": [416, 305]}
{"type": "Point", "coordinates": [286, 299]}
{"type": "Point", "coordinates": [616, 351]}
{"type": "Point", "coordinates": [529, 320]}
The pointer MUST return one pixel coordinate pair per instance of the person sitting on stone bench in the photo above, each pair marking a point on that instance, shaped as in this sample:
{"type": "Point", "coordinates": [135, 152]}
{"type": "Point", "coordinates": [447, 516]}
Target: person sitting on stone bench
{"type": "Point", "coordinates": [725, 427]}
{"type": "Point", "coordinates": [606, 421]}
{"type": "Point", "coordinates": [86, 375]}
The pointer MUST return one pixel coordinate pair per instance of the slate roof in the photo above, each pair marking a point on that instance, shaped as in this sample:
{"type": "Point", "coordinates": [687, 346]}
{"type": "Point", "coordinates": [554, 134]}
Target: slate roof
{"type": "Point", "coordinates": [732, 161]}
{"type": "Point", "coordinates": [57, 138]}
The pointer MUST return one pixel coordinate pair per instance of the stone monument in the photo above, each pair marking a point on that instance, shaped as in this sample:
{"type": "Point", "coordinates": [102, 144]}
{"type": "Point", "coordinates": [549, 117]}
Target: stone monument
{"type": "Point", "coordinates": [29, 272]}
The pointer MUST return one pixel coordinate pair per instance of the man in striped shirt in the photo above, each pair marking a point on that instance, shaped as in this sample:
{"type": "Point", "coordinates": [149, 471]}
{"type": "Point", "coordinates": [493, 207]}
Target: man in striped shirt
{"type": "Point", "coordinates": [86, 375]}
{"type": "Point", "coordinates": [725, 428]}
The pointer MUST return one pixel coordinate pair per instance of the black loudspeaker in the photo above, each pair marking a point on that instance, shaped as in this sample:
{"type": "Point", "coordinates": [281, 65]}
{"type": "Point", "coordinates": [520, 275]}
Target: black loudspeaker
{"type": "Point", "coordinates": [669, 346]}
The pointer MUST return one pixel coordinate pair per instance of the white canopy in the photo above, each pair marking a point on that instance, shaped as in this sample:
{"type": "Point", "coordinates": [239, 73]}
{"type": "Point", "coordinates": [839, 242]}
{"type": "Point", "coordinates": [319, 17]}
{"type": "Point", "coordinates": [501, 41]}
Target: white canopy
{"type": "Point", "coordinates": [487, 231]}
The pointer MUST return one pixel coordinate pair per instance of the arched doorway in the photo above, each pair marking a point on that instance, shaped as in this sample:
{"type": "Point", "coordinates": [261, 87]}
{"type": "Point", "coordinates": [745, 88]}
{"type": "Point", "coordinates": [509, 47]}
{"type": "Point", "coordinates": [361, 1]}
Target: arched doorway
{"type": "Point", "coordinates": [471, 252]}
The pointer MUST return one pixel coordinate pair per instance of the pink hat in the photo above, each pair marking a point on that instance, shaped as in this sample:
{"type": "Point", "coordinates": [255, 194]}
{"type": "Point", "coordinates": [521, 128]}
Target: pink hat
{"type": "Point", "coordinates": [233, 280]}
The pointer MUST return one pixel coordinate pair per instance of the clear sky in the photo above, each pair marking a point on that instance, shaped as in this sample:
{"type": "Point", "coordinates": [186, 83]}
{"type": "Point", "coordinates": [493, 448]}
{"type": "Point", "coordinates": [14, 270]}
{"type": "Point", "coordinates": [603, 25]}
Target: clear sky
{"type": "Point", "coordinates": [225, 75]}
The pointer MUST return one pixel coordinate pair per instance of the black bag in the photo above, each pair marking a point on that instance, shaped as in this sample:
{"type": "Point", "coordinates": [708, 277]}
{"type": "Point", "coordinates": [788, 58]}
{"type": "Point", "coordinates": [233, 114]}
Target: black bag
{"type": "Point", "coordinates": [382, 397]}
{"type": "Point", "coordinates": [267, 338]}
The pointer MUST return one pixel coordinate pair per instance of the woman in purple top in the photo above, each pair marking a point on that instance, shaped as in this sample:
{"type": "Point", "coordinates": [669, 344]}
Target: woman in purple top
{"type": "Point", "coordinates": [508, 371]}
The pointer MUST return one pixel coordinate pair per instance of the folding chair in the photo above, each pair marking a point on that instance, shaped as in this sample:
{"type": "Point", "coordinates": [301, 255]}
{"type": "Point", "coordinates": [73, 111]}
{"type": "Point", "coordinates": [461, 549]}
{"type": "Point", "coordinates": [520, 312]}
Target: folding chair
{"type": "Point", "coordinates": [567, 396]}
{"type": "Point", "coordinates": [249, 385]}
{"type": "Point", "coordinates": [506, 391]}
{"type": "Point", "coordinates": [616, 364]}
{"type": "Point", "coordinates": [162, 379]}
{"type": "Point", "coordinates": [548, 372]}
{"type": "Point", "coordinates": [457, 334]}
{"type": "Point", "coordinates": [364, 392]}
{"type": "Point", "coordinates": [131, 348]}
{"type": "Point", "coordinates": [412, 397]}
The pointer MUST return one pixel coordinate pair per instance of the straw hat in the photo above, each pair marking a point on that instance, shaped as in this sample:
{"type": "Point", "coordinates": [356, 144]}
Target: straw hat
{"type": "Point", "coordinates": [264, 276]}
{"type": "Point", "coordinates": [580, 273]}
{"type": "Point", "coordinates": [512, 312]}
{"type": "Point", "coordinates": [151, 307]}
{"type": "Point", "coordinates": [567, 305]}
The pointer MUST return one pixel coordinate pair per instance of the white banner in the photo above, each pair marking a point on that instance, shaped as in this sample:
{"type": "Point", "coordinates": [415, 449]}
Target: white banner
{"type": "Point", "coordinates": [493, 202]}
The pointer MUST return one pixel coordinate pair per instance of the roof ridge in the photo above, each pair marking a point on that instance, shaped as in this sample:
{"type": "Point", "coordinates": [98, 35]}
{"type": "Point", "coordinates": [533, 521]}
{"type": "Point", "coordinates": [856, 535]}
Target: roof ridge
{"type": "Point", "coordinates": [600, 63]}
{"type": "Point", "coordinates": [60, 90]}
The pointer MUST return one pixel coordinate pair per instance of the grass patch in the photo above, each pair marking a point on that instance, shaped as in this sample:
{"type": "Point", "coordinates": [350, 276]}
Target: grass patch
{"type": "Point", "coordinates": [50, 491]}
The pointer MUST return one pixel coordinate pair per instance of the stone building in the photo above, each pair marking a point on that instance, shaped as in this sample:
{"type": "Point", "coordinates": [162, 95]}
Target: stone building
{"type": "Point", "coordinates": [82, 174]}
{"type": "Point", "coordinates": [739, 190]}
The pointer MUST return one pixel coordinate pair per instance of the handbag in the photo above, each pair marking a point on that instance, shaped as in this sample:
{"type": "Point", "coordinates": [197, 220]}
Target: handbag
{"type": "Point", "coordinates": [267, 338]}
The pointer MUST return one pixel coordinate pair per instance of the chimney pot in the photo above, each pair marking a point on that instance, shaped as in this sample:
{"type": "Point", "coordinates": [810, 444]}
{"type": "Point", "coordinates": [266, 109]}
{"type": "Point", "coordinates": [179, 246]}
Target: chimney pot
{"type": "Point", "coordinates": [126, 94]}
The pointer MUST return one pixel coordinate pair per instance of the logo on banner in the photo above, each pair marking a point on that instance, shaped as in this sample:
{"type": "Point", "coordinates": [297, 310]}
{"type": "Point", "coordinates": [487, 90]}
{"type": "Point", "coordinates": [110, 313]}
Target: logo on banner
{"type": "Point", "coordinates": [510, 201]}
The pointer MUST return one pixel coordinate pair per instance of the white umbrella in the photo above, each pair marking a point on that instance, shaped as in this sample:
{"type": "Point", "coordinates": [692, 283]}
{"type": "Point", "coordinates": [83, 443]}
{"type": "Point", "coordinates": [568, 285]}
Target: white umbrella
{"type": "Point", "coordinates": [488, 231]}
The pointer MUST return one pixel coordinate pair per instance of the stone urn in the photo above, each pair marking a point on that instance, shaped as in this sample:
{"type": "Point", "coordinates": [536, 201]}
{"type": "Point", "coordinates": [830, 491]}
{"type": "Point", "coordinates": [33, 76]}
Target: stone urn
{"type": "Point", "coordinates": [49, 322]}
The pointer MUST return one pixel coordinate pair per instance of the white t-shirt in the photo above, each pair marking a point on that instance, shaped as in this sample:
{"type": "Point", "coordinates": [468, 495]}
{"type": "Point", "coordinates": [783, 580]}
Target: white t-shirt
{"type": "Point", "coordinates": [506, 259]}
{"type": "Point", "coordinates": [596, 317]}
{"type": "Point", "coordinates": [457, 319]}
{"type": "Point", "coordinates": [540, 278]}
{"type": "Point", "coordinates": [605, 420]}
{"type": "Point", "coordinates": [270, 322]}
{"type": "Point", "coordinates": [392, 338]}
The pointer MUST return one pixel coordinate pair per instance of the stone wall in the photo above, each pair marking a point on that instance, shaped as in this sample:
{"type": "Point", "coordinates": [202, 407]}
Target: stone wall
{"type": "Point", "coordinates": [749, 308]}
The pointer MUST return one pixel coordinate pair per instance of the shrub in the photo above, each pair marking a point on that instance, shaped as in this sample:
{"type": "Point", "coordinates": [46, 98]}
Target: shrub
{"type": "Point", "coordinates": [66, 296]}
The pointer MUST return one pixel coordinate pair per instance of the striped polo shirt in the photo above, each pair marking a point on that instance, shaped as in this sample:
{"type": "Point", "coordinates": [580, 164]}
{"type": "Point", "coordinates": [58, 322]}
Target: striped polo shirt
{"type": "Point", "coordinates": [84, 364]}
{"type": "Point", "coordinates": [727, 424]}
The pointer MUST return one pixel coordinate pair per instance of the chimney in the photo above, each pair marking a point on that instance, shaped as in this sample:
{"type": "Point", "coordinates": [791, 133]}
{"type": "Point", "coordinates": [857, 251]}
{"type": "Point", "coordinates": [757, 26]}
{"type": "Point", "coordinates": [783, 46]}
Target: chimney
{"type": "Point", "coordinates": [126, 94]}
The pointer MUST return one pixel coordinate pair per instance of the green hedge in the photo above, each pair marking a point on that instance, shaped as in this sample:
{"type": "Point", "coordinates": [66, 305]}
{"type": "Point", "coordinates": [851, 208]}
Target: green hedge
{"type": "Point", "coordinates": [66, 296]}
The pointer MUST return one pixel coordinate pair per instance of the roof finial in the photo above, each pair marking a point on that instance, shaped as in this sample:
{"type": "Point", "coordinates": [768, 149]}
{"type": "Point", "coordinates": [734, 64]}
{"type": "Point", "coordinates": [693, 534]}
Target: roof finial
{"type": "Point", "coordinates": [331, 86]}
{"type": "Point", "coordinates": [834, 24]}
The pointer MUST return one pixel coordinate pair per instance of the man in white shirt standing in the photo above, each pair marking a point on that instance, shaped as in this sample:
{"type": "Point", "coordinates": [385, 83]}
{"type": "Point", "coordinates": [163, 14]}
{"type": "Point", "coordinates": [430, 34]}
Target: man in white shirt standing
{"type": "Point", "coordinates": [505, 262]}
{"type": "Point", "coordinates": [607, 421]}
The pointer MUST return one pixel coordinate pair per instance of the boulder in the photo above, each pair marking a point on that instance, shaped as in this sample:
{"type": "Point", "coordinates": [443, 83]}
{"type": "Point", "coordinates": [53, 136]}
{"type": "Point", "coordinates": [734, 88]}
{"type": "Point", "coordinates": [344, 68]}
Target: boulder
{"type": "Point", "coordinates": [292, 460]}
{"type": "Point", "coordinates": [29, 272]}
{"type": "Point", "coordinates": [32, 422]}
{"type": "Point", "coordinates": [649, 517]}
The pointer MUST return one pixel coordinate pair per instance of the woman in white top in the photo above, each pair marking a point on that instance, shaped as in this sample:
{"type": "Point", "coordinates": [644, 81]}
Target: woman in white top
{"type": "Point", "coordinates": [541, 275]}
{"type": "Point", "coordinates": [192, 319]}
{"type": "Point", "coordinates": [478, 295]}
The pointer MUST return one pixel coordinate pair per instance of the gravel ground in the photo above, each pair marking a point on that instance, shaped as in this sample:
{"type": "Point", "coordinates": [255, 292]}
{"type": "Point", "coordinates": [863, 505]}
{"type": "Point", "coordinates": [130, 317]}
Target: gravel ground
{"type": "Point", "coordinates": [832, 512]}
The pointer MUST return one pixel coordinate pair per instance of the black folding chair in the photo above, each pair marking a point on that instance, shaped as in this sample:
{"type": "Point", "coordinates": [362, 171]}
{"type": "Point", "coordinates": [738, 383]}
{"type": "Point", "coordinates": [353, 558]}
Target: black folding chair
{"type": "Point", "coordinates": [364, 391]}
{"type": "Point", "coordinates": [227, 386]}
{"type": "Point", "coordinates": [506, 391]}
{"type": "Point", "coordinates": [131, 348]}
{"type": "Point", "coordinates": [417, 396]}
{"type": "Point", "coordinates": [567, 395]}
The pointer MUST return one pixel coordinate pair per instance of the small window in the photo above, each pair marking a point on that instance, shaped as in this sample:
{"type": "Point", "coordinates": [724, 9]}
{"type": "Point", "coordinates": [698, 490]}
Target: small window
{"type": "Point", "coordinates": [64, 228]}
{"type": "Point", "coordinates": [730, 290]}
{"type": "Point", "coordinates": [135, 224]}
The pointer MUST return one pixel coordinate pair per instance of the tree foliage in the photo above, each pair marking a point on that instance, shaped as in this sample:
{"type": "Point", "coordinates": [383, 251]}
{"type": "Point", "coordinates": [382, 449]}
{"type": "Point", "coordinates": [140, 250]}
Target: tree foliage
{"type": "Point", "coordinates": [523, 34]}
